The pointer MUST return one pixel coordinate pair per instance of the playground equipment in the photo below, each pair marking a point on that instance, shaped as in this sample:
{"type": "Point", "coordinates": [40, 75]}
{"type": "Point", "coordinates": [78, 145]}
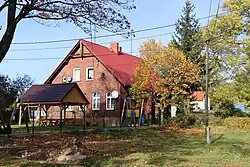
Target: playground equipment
{"type": "Point", "coordinates": [131, 114]}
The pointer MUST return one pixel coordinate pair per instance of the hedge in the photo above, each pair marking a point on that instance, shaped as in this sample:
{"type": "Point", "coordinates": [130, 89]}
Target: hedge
{"type": "Point", "coordinates": [238, 122]}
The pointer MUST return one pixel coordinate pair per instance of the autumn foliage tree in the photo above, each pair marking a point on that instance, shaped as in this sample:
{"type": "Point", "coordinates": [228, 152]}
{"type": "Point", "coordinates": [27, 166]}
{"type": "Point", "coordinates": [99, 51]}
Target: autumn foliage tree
{"type": "Point", "coordinates": [105, 14]}
{"type": "Point", "coordinates": [163, 74]}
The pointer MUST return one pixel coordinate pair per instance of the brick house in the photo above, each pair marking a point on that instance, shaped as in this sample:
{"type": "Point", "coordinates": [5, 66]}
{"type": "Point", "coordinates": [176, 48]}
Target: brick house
{"type": "Point", "coordinates": [98, 70]}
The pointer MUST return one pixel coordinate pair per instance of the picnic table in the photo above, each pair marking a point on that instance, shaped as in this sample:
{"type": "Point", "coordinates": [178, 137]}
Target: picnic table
{"type": "Point", "coordinates": [50, 122]}
{"type": "Point", "coordinates": [55, 122]}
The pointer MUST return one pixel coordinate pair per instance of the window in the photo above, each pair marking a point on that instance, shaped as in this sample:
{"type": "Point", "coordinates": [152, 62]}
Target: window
{"type": "Point", "coordinates": [110, 101]}
{"type": "Point", "coordinates": [96, 101]}
{"type": "Point", "coordinates": [89, 73]}
{"type": "Point", "coordinates": [76, 75]}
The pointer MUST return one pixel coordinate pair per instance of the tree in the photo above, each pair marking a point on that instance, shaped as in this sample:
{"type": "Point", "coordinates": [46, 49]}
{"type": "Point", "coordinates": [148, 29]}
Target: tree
{"type": "Point", "coordinates": [228, 37]}
{"type": "Point", "coordinates": [7, 92]}
{"type": "Point", "coordinates": [163, 74]}
{"type": "Point", "coordinates": [188, 36]}
{"type": "Point", "coordinates": [106, 14]}
{"type": "Point", "coordinates": [10, 90]}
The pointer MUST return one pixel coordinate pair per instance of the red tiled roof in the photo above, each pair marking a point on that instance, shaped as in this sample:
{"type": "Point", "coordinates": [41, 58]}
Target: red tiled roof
{"type": "Point", "coordinates": [198, 95]}
{"type": "Point", "coordinates": [121, 65]}
{"type": "Point", "coordinates": [48, 93]}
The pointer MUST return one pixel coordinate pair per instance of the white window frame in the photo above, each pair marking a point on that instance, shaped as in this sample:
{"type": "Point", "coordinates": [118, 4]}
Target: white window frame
{"type": "Point", "coordinates": [94, 100]}
{"type": "Point", "coordinates": [111, 100]}
{"type": "Point", "coordinates": [87, 73]}
{"type": "Point", "coordinates": [74, 76]}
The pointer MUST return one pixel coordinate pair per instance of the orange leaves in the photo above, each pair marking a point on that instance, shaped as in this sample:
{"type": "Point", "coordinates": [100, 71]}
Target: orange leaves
{"type": "Point", "coordinates": [163, 70]}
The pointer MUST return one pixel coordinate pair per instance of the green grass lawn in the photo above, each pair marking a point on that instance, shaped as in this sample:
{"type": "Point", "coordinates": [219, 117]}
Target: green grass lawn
{"type": "Point", "coordinates": [37, 128]}
{"type": "Point", "coordinates": [142, 148]}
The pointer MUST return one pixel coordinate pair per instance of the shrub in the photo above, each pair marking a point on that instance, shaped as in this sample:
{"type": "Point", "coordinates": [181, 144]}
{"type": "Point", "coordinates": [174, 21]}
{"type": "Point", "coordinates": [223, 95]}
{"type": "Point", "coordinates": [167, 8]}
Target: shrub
{"type": "Point", "coordinates": [88, 124]}
{"type": "Point", "coordinates": [99, 129]}
{"type": "Point", "coordinates": [228, 110]}
{"type": "Point", "coordinates": [217, 121]}
{"type": "Point", "coordinates": [223, 113]}
{"type": "Point", "coordinates": [184, 121]}
{"type": "Point", "coordinates": [238, 123]}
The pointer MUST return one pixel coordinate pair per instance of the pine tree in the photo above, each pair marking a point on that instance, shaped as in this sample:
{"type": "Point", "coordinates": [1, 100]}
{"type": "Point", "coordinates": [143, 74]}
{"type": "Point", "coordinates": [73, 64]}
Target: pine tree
{"type": "Point", "coordinates": [188, 37]}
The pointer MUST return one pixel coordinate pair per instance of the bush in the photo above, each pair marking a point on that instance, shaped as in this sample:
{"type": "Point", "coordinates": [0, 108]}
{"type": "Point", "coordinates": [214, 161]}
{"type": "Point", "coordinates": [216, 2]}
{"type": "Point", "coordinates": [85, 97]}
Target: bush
{"type": "Point", "coordinates": [238, 123]}
{"type": "Point", "coordinates": [223, 113]}
{"type": "Point", "coordinates": [99, 129]}
{"type": "Point", "coordinates": [217, 121]}
{"type": "Point", "coordinates": [88, 124]}
{"type": "Point", "coordinates": [185, 121]}
{"type": "Point", "coordinates": [228, 110]}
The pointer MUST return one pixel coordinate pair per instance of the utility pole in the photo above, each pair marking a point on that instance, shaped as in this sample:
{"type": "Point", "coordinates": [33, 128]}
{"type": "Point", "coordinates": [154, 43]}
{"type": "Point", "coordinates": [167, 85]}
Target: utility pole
{"type": "Point", "coordinates": [208, 135]}
{"type": "Point", "coordinates": [206, 97]}
{"type": "Point", "coordinates": [132, 35]}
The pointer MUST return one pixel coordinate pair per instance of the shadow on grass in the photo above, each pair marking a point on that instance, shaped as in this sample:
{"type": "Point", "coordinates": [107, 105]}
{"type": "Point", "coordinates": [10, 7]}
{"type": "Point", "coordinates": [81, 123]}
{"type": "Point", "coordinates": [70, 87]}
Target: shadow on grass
{"type": "Point", "coordinates": [157, 150]}
{"type": "Point", "coordinates": [218, 138]}
{"type": "Point", "coordinates": [121, 148]}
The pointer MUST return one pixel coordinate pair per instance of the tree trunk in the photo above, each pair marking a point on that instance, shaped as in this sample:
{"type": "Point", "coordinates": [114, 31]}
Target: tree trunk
{"type": "Point", "coordinates": [10, 30]}
{"type": "Point", "coordinates": [26, 117]}
{"type": "Point", "coordinates": [153, 120]}
{"type": "Point", "coordinates": [159, 111]}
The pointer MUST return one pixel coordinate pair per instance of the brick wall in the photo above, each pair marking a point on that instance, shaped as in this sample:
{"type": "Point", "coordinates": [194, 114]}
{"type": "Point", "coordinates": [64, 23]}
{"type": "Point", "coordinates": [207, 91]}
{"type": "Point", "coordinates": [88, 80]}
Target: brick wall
{"type": "Point", "coordinates": [100, 84]}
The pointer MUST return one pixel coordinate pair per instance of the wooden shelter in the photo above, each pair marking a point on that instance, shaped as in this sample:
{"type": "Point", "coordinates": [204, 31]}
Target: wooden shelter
{"type": "Point", "coordinates": [46, 95]}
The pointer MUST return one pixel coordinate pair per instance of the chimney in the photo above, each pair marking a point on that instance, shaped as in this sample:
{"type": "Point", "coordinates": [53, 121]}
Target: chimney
{"type": "Point", "coordinates": [114, 47]}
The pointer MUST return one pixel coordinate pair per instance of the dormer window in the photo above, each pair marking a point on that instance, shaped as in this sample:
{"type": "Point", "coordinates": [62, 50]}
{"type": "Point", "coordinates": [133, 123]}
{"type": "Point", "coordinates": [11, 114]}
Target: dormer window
{"type": "Point", "coordinates": [89, 73]}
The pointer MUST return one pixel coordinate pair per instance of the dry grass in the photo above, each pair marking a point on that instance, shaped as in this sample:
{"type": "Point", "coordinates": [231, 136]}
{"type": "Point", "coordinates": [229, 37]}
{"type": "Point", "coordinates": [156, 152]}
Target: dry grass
{"type": "Point", "coordinates": [152, 147]}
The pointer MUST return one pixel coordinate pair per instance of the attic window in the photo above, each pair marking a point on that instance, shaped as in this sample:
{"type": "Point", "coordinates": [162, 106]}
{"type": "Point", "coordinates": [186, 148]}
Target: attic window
{"type": "Point", "coordinates": [89, 73]}
{"type": "Point", "coordinates": [76, 75]}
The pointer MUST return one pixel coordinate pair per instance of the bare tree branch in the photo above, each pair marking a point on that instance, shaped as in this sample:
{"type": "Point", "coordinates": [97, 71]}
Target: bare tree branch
{"type": "Point", "coordinates": [106, 14]}
{"type": "Point", "coordinates": [4, 5]}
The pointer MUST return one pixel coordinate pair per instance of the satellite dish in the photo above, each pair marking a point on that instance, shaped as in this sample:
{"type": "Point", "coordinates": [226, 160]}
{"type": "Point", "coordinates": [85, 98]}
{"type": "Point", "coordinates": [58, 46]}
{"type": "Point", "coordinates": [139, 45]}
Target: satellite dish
{"type": "Point", "coordinates": [64, 79]}
{"type": "Point", "coordinates": [69, 79]}
{"type": "Point", "coordinates": [115, 94]}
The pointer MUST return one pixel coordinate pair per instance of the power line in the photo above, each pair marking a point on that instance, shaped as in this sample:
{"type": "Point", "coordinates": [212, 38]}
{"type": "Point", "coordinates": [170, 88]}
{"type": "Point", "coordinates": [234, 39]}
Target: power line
{"type": "Point", "coordinates": [66, 47]}
{"type": "Point", "coordinates": [36, 49]}
{"type": "Point", "coordinates": [105, 36]}
{"type": "Point", "coordinates": [36, 58]}
{"type": "Point", "coordinates": [51, 58]}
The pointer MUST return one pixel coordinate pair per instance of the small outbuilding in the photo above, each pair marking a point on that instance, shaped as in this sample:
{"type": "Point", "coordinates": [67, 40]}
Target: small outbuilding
{"type": "Point", "coordinates": [46, 95]}
{"type": "Point", "coordinates": [198, 101]}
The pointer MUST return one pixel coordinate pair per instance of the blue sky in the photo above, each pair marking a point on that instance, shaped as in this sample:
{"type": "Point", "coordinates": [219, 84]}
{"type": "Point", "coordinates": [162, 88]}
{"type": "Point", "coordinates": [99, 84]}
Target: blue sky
{"type": "Point", "coordinates": [149, 13]}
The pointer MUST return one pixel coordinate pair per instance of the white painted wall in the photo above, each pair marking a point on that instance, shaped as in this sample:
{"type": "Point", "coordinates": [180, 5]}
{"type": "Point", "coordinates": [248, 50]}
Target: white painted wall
{"type": "Point", "coordinates": [200, 105]}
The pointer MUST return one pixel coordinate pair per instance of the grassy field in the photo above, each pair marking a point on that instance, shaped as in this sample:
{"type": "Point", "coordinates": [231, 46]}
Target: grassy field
{"type": "Point", "coordinates": [151, 147]}
{"type": "Point", "coordinates": [37, 128]}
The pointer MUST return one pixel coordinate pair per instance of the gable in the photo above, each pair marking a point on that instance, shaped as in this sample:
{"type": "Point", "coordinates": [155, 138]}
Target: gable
{"type": "Point", "coordinates": [75, 96]}
{"type": "Point", "coordinates": [81, 50]}
{"type": "Point", "coordinates": [122, 66]}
